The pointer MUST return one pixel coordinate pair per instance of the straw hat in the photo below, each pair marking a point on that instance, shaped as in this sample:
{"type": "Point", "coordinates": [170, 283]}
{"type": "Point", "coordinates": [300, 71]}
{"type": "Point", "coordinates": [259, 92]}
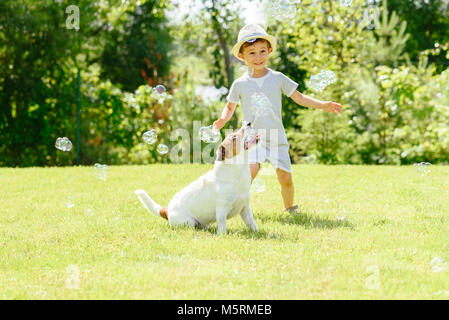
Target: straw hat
{"type": "Point", "coordinates": [251, 32]}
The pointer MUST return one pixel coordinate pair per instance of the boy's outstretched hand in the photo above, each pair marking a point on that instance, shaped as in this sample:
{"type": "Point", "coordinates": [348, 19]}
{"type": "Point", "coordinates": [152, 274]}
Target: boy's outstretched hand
{"type": "Point", "coordinates": [334, 107]}
{"type": "Point", "coordinates": [219, 123]}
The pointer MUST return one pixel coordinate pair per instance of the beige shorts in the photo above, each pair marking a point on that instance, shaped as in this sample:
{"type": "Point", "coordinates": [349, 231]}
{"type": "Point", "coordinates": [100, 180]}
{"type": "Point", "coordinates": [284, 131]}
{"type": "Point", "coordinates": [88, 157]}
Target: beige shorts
{"type": "Point", "coordinates": [278, 156]}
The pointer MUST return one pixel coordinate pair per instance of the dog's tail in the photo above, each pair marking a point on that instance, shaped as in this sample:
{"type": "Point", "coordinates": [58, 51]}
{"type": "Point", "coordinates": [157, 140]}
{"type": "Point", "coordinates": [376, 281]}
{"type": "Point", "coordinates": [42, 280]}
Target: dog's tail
{"type": "Point", "coordinates": [150, 205]}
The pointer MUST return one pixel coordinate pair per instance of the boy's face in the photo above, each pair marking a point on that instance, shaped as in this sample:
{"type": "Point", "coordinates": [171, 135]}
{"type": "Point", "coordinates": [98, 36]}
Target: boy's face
{"type": "Point", "coordinates": [256, 55]}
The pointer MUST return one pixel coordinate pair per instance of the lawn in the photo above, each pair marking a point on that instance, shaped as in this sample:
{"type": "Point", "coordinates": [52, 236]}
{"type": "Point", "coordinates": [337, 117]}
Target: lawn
{"type": "Point", "coordinates": [365, 232]}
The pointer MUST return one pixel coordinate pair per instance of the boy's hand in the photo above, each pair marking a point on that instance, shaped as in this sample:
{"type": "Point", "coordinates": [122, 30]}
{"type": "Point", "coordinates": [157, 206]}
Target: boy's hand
{"type": "Point", "coordinates": [219, 123]}
{"type": "Point", "coordinates": [330, 106]}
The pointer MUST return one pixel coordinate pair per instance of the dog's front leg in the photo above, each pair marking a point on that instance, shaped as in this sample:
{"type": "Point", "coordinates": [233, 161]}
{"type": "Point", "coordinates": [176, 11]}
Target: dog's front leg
{"type": "Point", "coordinates": [221, 215]}
{"type": "Point", "coordinates": [247, 216]}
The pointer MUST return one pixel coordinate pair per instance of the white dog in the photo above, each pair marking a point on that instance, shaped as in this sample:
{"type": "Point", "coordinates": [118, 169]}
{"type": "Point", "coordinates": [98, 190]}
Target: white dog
{"type": "Point", "coordinates": [219, 194]}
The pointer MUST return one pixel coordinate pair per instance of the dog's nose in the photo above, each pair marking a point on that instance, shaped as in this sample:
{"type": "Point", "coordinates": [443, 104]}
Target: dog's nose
{"type": "Point", "coordinates": [248, 124]}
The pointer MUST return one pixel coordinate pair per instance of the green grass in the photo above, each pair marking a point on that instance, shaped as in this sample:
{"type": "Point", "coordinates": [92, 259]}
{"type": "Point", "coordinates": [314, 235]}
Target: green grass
{"type": "Point", "coordinates": [356, 220]}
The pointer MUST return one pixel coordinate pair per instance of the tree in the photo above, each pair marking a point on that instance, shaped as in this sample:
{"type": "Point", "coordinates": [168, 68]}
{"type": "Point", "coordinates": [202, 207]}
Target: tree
{"type": "Point", "coordinates": [141, 47]}
{"type": "Point", "coordinates": [394, 112]}
{"type": "Point", "coordinates": [428, 23]}
{"type": "Point", "coordinates": [39, 60]}
{"type": "Point", "coordinates": [210, 33]}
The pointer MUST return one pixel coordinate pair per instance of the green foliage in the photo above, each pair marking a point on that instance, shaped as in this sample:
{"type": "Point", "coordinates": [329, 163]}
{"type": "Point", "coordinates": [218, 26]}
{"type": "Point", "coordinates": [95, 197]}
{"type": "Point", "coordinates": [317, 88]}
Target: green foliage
{"type": "Point", "coordinates": [140, 47]}
{"type": "Point", "coordinates": [391, 39]}
{"type": "Point", "coordinates": [211, 34]}
{"type": "Point", "coordinates": [113, 121]}
{"type": "Point", "coordinates": [390, 113]}
{"type": "Point", "coordinates": [323, 137]}
{"type": "Point", "coordinates": [40, 58]}
{"type": "Point", "coordinates": [428, 23]}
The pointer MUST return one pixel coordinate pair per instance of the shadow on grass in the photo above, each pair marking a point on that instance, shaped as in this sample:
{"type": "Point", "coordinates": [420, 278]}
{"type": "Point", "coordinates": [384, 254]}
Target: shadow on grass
{"type": "Point", "coordinates": [306, 220]}
{"type": "Point", "coordinates": [246, 232]}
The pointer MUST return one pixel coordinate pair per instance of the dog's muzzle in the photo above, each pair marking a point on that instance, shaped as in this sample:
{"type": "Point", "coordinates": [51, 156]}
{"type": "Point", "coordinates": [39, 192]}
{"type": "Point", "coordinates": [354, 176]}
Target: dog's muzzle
{"type": "Point", "coordinates": [251, 141]}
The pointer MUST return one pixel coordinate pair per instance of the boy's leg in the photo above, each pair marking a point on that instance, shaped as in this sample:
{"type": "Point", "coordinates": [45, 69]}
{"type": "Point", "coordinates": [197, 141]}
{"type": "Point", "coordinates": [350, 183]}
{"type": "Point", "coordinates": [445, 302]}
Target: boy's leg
{"type": "Point", "coordinates": [280, 159]}
{"type": "Point", "coordinates": [287, 189]}
{"type": "Point", "coordinates": [254, 168]}
{"type": "Point", "coordinates": [256, 156]}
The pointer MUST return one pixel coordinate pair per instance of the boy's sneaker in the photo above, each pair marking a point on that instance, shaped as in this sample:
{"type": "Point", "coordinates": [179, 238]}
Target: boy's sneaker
{"type": "Point", "coordinates": [293, 209]}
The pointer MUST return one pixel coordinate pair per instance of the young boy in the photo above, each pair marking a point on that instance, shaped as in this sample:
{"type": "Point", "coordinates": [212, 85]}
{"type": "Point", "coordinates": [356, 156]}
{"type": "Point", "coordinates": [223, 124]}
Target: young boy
{"type": "Point", "coordinates": [253, 47]}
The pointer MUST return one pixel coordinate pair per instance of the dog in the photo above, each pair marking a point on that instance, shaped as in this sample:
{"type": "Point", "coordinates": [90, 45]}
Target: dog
{"type": "Point", "coordinates": [219, 194]}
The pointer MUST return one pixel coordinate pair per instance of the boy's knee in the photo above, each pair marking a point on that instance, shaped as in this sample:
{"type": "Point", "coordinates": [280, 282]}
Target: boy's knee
{"type": "Point", "coordinates": [254, 168]}
{"type": "Point", "coordinates": [285, 178]}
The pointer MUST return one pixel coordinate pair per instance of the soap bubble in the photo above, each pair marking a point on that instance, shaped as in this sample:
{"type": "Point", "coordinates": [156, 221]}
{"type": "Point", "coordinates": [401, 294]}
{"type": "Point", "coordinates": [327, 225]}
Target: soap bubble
{"type": "Point", "coordinates": [444, 293]}
{"type": "Point", "coordinates": [209, 134]}
{"type": "Point", "coordinates": [312, 159]}
{"type": "Point", "coordinates": [438, 264]}
{"type": "Point", "coordinates": [160, 93]}
{"type": "Point", "coordinates": [159, 89]}
{"type": "Point", "coordinates": [162, 148]}
{"type": "Point", "coordinates": [249, 134]}
{"type": "Point", "coordinates": [257, 186]}
{"type": "Point", "coordinates": [282, 10]}
{"type": "Point", "coordinates": [266, 171]}
{"type": "Point", "coordinates": [249, 131]}
{"type": "Point", "coordinates": [70, 203]}
{"type": "Point", "coordinates": [223, 90]}
{"type": "Point", "coordinates": [250, 71]}
{"type": "Point", "coordinates": [260, 104]}
{"type": "Point", "coordinates": [101, 171]}
{"type": "Point", "coordinates": [373, 280]}
{"type": "Point", "coordinates": [63, 144]}
{"type": "Point", "coordinates": [248, 138]}
{"type": "Point", "coordinates": [422, 168]}
{"type": "Point", "coordinates": [345, 3]}
{"type": "Point", "coordinates": [150, 137]}
{"type": "Point", "coordinates": [262, 112]}
{"type": "Point", "coordinates": [260, 100]}
{"type": "Point", "coordinates": [245, 68]}
{"type": "Point", "coordinates": [72, 278]}
{"type": "Point", "coordinates": [320, 81]}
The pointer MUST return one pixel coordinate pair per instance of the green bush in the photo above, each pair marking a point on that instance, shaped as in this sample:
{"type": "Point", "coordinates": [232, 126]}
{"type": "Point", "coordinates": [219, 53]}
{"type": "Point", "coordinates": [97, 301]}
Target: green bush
{"type": "Point", "coordinates": [114, 121]}
{"type": "Point", "coordinates": [394, 112]}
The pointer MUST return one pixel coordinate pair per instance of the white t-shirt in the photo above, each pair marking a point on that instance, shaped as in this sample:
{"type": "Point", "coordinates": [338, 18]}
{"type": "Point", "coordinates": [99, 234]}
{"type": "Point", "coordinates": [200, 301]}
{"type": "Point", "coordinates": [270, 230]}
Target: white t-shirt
{"type": "Point", "coordinates": [250, 91]}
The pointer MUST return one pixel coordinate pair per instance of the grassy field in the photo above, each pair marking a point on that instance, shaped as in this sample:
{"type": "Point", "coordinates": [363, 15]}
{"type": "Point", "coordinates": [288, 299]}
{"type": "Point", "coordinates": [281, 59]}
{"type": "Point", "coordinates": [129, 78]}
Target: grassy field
{"type": "Point", "coordinates": [365, 233]}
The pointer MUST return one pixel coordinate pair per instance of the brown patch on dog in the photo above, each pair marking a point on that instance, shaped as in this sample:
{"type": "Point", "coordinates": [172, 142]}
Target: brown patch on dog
{"type": "Point", "coordinates": [230, 147]}
{"type": "Point", "coordinates": [221, 153]}
{"type": "Point", "coordinates": [163, 213]}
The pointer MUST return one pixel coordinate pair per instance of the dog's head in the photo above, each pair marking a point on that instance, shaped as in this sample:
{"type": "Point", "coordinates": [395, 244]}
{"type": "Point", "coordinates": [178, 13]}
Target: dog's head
{"type": "Point", "coordinates": [237, 142]}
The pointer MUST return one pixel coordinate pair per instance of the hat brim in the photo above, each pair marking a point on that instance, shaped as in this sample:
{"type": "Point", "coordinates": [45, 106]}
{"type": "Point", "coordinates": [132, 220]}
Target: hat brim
{"type": "Point", "coordinates": [236, 48]}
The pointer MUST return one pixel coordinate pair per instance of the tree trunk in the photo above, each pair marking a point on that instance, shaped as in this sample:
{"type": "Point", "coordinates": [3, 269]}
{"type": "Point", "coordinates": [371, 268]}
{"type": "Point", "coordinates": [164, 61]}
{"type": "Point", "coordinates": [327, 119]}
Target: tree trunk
{"type": "Point", "coordinates": [224, 47]}
{"type": "Point", "coordinates": [227, 58]}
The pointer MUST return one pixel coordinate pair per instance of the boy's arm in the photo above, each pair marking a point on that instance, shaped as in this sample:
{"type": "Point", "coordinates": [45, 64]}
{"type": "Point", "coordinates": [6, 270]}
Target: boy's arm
{"type": "Point", "coordinates": [227, 113]}
{"type": "Point", "coordinates": [309, 102]}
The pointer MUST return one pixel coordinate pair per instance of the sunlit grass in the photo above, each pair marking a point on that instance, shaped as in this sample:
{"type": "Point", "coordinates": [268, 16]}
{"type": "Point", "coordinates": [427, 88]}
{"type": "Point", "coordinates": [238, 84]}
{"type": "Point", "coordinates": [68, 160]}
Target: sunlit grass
{"type": "Point", "coordinates": [365, 232]}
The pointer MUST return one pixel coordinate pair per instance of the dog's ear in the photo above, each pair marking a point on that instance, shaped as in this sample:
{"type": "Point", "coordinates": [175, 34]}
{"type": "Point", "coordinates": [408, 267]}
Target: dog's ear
{"type": "Point", "coordinates": [221, 153]}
